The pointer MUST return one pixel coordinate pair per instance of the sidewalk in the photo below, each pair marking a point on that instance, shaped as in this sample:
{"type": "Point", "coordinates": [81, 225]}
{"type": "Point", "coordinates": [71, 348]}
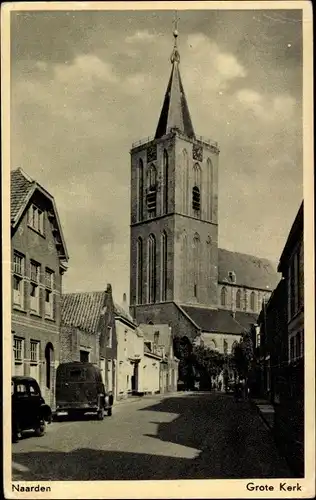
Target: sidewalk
{"type": "Point", "coordinates": [134, 399]}
{"type": "Point", "coordinates": [266, 411]}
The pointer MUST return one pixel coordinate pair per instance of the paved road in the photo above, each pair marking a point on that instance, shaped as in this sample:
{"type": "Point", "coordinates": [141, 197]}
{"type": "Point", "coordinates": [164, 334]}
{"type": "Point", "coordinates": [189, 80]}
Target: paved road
{"type": "Point", "coordinates": [182, 436]}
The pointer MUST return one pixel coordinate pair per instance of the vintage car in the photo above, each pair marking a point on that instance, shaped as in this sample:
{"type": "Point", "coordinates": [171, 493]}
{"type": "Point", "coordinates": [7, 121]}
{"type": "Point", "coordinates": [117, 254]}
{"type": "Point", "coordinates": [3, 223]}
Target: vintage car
{"type": "Point", "coordinates": [80, 390]}
{"type": "Point", "coordinates": [29, 410]}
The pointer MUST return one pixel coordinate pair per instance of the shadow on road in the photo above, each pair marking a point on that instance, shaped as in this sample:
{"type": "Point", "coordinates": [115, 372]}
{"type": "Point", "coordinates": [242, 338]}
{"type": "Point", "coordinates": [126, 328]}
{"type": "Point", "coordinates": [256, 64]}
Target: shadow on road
{"type": "Point", "coordinates": [231, 437]}
{"type": "Point", "coordinates": [233, 441]}
{"type": "Point", "coordinates": [86, 464]}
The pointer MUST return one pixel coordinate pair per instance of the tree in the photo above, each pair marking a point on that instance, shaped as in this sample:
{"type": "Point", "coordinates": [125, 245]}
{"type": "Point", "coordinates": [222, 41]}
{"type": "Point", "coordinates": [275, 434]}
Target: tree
{"type": "Point", "coordinates": [209, 364]}
{"type": "Point", "coordinates": [243, 355]}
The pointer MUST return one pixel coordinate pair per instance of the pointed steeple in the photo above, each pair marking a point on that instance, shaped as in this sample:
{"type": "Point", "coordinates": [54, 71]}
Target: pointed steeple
{"type": "Point", "coordinates": [175, 112]}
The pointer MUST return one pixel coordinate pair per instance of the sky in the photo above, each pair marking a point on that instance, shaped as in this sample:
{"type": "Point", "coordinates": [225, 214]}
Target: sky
{"type": "Point", "coordinates": [85, 85]}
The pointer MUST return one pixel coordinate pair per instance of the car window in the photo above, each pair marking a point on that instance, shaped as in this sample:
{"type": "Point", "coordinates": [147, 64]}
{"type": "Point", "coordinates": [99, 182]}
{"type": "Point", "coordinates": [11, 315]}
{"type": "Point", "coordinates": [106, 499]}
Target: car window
{"type": "Point", "coordinates": [77, 374]}
{"type": "Point", "coordinates": [21, 389]}
{"type": "Point", "coordinates": [34, 390]}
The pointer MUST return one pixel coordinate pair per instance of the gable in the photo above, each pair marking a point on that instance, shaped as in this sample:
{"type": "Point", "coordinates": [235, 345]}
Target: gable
{"type": "Point", "coordinates": [23, 191]}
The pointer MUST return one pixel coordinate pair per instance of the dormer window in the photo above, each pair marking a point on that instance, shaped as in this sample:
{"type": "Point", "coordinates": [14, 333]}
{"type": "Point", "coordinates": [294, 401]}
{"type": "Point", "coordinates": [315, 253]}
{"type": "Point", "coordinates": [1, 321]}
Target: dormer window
{"type": "Point", "coordinates": [36, 219]}
{"type": "Point", "coordinates": [232, 276]}
{"type": "Point", "coordinates": [196, 199]}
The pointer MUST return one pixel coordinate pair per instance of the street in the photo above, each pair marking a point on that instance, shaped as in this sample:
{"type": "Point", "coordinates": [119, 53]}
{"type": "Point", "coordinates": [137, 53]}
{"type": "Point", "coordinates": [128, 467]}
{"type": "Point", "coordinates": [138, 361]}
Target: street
{"type": "Point", "coordinates": [178, 436]}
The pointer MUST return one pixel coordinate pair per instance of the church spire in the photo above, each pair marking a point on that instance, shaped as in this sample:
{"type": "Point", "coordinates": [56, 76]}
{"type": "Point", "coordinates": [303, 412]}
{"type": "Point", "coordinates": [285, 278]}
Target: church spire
{"type": "Point", "coordinates": [175, 112]}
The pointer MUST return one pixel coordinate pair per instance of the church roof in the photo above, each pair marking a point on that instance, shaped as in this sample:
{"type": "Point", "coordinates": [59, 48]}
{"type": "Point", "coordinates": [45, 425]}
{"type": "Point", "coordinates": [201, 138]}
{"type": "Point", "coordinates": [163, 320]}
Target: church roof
{"type": "Point", "coordinates": [220, 320]}
{"type": "Point", "coordinates": [22, 190]}
{"type": "Point", "coordinates": [250, 271]}
{"type": "Point", "coordinates": [175, 111]}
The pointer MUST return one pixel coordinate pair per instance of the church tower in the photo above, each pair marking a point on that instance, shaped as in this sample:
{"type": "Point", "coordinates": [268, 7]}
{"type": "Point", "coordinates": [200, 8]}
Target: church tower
{"type": "Point", "coordinates": [174, 212]}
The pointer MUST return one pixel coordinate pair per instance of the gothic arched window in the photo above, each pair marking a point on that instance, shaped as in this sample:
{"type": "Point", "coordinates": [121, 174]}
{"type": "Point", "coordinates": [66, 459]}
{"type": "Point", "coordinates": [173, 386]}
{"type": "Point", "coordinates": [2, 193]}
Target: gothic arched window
{"type": "Point", "coordinates": [196, 190]}
{"type": "Point", "coordinates": [238, 299]}
{"type": "Point", "coordinates": [151, 269]}
{"type": "Point", "coordinates": [139, 285]}
{"type": "Point", "coordinates": [196, 264]}
{"type": "Point", "coordinates": [184, 263]}
{"type": "Point", "coordinates": [140, 189]}
{"type": "Point", "coordinates": [209, 189]}
{"type": "Point", "coordinates": [224, 296]}
{"type": "Point", "coordinates": [252, 301]}
{"type": "Point", "coordinates": [164, 265]}
{"type": "Point", "coordinates": [185, 181]}
{"type": "Point", "coordinates": [165, 182]}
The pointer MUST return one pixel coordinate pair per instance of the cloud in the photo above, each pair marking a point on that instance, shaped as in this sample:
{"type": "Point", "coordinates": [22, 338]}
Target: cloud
{"type": "Point", "coordinates": [267, 108]}
{"type": "Point", "coordinates": [142, 36]}
{"type": "Point", "coordinates": [85, 70]}
{"type": "Point", "coordinates": [75, 114]}
{"type": "Point", "coordinates": [212, 68]}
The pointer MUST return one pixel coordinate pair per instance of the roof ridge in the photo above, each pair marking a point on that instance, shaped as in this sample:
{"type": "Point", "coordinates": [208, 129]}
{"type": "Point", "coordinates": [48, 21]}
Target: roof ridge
{"type": "Point", "coordinates": [246, 254]}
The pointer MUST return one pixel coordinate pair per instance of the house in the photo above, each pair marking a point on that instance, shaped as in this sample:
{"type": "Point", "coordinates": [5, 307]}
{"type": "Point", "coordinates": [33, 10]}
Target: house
{"type": "Point", "coordinates": [130, 353]}
{"type": "Point", "coordinates": [158, 340]}
{"type": "Point", "coordinates": [289, 413]}
{"type": "Point", "coordinates": [39, 260]}
{"type": "Point", "coordinates": [150, 382]}
{"type": "Point", "coordinates": [279, 349]}
{"type": "Point", "coordinates": [88, 332]}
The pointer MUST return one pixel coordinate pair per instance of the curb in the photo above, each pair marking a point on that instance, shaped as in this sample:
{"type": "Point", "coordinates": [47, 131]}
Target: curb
{"type": "Point", "coordinates": [266, 421]}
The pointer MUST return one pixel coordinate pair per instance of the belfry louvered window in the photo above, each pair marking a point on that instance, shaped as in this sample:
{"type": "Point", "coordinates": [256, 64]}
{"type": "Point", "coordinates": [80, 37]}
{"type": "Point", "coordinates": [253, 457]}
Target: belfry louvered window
{"type": "Point", "coordinates": [151, 192]}
{"type": "Point", "coordinates": [196, 191]}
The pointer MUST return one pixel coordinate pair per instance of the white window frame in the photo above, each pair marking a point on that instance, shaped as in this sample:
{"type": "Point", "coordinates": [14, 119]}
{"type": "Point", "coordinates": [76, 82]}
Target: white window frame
{"type": "Point", "coordinates": [18, 361]}
{"type": "Point", "coordinates": [49, 279]}
{"type": "Point", "coordinates": [36, 219]}
{"type": "Point", "coordinates": [34, 344]}
{"type": "Point", "coordinates": [21, 349]}
{"type": "Point", "coordinates": [18, 275]}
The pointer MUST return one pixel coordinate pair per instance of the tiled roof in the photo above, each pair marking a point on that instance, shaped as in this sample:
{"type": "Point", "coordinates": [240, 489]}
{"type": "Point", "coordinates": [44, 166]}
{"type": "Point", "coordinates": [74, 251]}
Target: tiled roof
{"type": "Point", "coordinates": [250, 271]}
{"type": "Point", "coordinates": [21, 187]}
{"type": "Point", "coordinates": [82, 310]}
{"type": "Point", "coordinates": [175, 112]}
{"type": "Point", "coordinates": [220, 320]}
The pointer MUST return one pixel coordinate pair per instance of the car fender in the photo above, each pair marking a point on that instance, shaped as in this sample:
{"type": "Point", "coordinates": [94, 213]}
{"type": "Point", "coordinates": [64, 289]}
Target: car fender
{"type": "Point", "coordinates": [46, 412]}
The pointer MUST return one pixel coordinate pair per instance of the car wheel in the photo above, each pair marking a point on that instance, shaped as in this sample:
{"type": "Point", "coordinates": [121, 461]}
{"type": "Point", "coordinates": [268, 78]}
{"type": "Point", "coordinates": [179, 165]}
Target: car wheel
{"type": "Point", "coordinates": [40, 430]}
{"type": "Point", "coordinates": [109, 412]}
{"type": "Point", "coordinates": [100, 414]}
